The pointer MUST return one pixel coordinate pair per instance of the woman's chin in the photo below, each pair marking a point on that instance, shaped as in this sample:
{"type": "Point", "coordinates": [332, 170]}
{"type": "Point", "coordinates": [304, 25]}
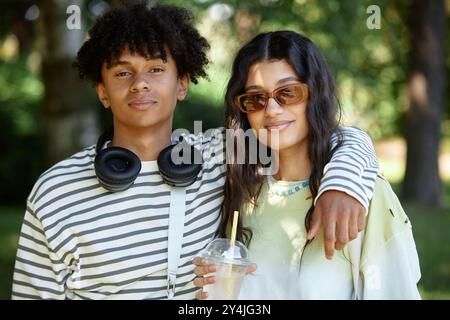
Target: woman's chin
{"type": "Point", "coordinates": [286, 144]}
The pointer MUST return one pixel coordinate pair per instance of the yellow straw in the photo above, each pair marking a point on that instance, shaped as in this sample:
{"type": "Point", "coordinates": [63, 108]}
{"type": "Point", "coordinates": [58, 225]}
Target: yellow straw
{"type": "Point", "coordinates": [228, 288]}
{"type": "Point", "coordinates": [233, 239]}
{"type": "Point", "coordinates": [233, 231]}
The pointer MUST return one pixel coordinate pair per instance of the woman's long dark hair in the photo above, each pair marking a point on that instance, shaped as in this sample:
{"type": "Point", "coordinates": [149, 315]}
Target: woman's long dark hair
{"type": "Point", "coordinates": [243, 183]}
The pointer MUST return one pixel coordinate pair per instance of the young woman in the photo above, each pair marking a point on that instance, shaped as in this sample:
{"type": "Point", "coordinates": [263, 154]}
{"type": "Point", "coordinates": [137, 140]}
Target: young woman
{"type": "Point", "coordinates": [281, 85]}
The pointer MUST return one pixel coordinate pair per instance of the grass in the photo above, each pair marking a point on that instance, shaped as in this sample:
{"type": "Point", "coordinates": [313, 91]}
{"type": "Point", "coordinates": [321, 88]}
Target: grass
{"type": "Point", "coordinates": [10, 222]}
{"type": "Point", "coordinates": [430, 228]}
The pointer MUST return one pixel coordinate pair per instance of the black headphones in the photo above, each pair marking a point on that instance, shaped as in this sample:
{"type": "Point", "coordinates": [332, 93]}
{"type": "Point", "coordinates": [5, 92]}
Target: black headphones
{"type": "Point", "coordinates": [116, 168]}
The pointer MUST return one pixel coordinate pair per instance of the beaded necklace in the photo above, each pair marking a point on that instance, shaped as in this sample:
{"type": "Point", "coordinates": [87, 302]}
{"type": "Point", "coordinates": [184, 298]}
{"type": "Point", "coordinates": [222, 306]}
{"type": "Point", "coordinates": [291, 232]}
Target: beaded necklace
{"type": "Point", "coordinates": [284, 193]}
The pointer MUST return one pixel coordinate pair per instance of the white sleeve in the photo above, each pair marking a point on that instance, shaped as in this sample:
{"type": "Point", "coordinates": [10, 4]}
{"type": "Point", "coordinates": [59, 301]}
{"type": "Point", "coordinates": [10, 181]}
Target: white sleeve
{"type": "Point", "coordinates": [395, 273]}
{"type": "Point", "coordinates": [38, 272]}
{"type": "Point", "coordinates": [390, 266]}
{"type": "Point", "coordinates": [353, 167]}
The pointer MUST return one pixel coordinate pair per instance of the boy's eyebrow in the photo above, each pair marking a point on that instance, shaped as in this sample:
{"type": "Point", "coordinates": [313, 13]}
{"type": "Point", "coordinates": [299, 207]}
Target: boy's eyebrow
{"type": "Point", "coordinates": [284, 80]}
{"type": "Point", "coordinates": [116, 63]}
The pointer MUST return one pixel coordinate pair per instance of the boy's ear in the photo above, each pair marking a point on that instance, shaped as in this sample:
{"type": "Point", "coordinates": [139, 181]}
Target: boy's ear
{"type": "Point", "coordinates": [183, 87]}
{"type": "Point", "coordinates": [102, 95]}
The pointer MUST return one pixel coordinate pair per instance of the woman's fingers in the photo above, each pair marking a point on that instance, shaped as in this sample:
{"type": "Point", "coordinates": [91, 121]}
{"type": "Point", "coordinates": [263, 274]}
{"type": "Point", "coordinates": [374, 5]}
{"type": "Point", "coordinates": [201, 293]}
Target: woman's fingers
{"type": "Point", "coordinates": [251, 268]}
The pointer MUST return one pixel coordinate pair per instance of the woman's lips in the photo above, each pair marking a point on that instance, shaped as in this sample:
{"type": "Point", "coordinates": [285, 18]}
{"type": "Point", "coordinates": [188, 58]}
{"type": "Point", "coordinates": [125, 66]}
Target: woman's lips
{"type": "Point", "coordinates": [278, 125]}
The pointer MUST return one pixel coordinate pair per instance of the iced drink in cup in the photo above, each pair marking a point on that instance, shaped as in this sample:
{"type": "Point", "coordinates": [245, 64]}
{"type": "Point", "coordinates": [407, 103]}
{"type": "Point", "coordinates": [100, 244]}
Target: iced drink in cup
{"type": "Point", "coordinates": [231, 266]}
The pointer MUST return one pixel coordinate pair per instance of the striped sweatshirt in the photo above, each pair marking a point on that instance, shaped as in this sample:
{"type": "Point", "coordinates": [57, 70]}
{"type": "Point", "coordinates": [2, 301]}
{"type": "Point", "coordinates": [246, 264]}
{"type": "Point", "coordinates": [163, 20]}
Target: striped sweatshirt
{"type": "Point", "coordinates": [80, 241]}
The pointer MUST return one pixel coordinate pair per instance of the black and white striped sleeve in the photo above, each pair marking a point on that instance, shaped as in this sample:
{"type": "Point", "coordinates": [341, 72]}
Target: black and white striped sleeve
{"type": "Point", "coordinates": [353, 167]}
{"type": "Point", "coordinates": [38, 272]}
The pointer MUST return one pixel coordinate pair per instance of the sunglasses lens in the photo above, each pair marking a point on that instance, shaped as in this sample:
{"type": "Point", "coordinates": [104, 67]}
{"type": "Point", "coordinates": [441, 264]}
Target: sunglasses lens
{"type": "Point", "coordinates": [252, 102]}
{"type": "Point", "coordinates": [290, 94]}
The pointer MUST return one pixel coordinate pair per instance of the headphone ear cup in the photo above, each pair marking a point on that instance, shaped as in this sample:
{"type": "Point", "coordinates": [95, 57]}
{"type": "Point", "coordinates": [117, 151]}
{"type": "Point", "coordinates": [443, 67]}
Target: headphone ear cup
{"type": "Point", "coordinates": [116, 168]}
{"type": "Point", "coordinates": [182, 174]}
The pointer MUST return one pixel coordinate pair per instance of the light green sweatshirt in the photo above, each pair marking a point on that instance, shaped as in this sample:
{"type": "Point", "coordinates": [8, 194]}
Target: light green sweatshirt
{"type": "Point", "coordinates": [388, 266]}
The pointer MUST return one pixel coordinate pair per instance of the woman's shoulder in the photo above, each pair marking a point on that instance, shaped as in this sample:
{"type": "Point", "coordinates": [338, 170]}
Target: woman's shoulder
{"type": "Point", "coordinates": [384, 195]}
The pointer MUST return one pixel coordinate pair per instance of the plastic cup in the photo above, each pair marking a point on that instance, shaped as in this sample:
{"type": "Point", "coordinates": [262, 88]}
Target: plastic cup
{"type": "Point", "coordinates": [231, 266]}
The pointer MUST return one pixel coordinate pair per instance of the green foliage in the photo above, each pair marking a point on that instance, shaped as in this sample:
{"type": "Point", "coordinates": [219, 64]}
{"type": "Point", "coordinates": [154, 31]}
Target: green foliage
{"type": "Point", "coordinates": [369, 65]}
{"type": "Point", "coordinates": [204, 102]}
{"type": "Point", "coordinates": [21, 121]}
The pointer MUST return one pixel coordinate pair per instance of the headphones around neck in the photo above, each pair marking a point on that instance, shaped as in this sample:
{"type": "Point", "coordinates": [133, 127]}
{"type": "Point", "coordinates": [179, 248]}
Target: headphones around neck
{"type": "Point", "coordinates": [116, 168]}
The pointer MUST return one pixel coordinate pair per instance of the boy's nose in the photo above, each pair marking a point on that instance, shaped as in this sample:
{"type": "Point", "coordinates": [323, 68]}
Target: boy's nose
{"type": "Point", "coordinates": [141, 84]}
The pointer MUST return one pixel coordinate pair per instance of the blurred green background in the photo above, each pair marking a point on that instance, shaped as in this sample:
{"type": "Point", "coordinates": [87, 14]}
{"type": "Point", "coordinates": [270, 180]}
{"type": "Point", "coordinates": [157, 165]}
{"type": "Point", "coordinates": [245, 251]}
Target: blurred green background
{"type": "Point", "coordinates": [392, 81]}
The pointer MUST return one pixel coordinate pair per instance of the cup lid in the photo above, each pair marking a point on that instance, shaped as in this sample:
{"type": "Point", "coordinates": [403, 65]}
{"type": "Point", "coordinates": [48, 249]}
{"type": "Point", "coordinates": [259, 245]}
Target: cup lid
{"type": "Point", "coordinates": [219, 250]}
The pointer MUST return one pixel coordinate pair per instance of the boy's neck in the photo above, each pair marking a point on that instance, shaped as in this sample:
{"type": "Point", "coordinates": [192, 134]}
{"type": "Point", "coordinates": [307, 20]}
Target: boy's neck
{"type": "Point", "coordinates": [294, 163]}
{"type": "Point", "coordinates": [146, 143]}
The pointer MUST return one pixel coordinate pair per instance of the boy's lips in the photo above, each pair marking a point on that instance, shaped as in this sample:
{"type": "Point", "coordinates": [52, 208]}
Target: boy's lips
{"type": "Point", "coordinates": [141, 104]}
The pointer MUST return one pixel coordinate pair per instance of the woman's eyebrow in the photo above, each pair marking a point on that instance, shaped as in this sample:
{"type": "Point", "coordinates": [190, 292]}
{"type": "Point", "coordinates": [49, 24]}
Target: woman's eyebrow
{"type": "Point", "coordinates": [253, 87]}
{"type": "Point", "coordinates": [281, 81]}
{"type": "Point", "coordinates": [284, 80]}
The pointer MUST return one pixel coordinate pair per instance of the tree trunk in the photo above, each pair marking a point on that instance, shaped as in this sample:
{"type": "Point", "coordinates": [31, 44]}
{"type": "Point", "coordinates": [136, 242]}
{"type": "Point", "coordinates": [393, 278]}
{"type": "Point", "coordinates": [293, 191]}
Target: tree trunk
{"type": "Point", "coordinates": [71, 117]}
{"type": "Point", "coordinates": [426, 86]}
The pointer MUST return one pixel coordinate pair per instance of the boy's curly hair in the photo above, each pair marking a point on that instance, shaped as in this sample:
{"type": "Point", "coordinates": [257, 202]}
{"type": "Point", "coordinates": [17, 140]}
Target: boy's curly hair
{"type": "Point", "coordinates": [146, 32]}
